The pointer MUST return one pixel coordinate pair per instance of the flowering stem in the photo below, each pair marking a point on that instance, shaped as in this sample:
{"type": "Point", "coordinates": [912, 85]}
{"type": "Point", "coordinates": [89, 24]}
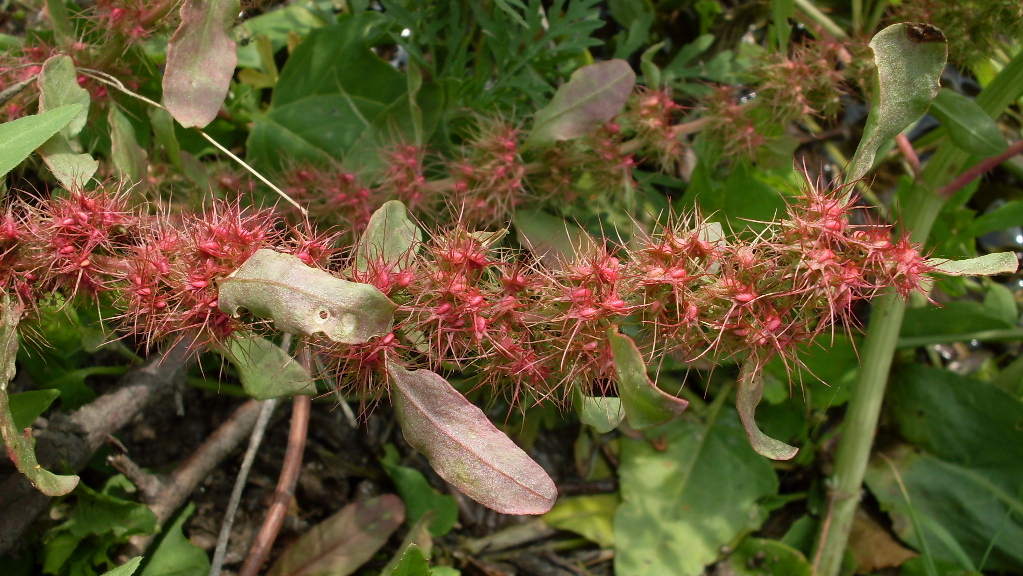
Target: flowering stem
{"type": "Point", "coordinates": [921, 210]}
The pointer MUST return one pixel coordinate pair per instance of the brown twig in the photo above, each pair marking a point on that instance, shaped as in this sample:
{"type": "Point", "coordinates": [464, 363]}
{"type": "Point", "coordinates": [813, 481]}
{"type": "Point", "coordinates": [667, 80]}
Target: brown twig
{"type": "Point", "coordinates": [70, 440]}
{"type": "Point", "coordinates": [172, 491]}
{"type": "Point", "coordinates": [285, 485]}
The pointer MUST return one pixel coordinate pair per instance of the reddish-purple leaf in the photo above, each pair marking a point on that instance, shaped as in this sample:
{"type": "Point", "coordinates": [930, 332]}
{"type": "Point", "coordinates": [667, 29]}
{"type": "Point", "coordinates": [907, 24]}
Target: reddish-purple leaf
{"type": "Point", "coordinates": [465, 448]}
{"type": "Point", "coordinates": [593, 95]}
{"type": "Point", "coordinates": [201, 58]}
{"type": "Point", "coordinates": [342, 543]}
{"type": "Point", "coordinates": [750, 391]}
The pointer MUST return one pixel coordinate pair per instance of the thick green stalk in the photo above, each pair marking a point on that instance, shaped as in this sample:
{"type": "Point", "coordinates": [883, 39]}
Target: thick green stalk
{"type": "Point", "coordinates": [920, 211]}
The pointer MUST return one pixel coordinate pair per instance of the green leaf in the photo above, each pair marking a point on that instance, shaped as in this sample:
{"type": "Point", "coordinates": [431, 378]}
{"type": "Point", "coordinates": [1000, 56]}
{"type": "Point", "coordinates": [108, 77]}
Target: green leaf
{"type": "Point", "coordinates": [275, 25]}
{"type": "Point", "coordinates": [551, 239]}
{"type": "Point", "coordinates": [70, 168]}
{"type": "Point", "coordinates": [420, 498]}
{"type": "Point", "coordinates": [126, 569]}
{"type": "Point", "coordinates": [986, 265]}
{"type": "Point", "coordinates": [390, 237]}
{"type": "Point", "coordinates": [21, 447]}
{"type": "Point", "coordinates": [750, 389]}
{"type": "Point", "coordinates": [58, 86]}
{"type": "Point", "coordinates": [964, 478]}
{"type": "Point", "coordinates": [201, 58]}
{"type": "Point", "coordinates": [306, 301]}
{"type": "Point", "coordinates": [342, 543]}
{"type": "Point", "coordinates": [176, 555]}
{"type": "Point", "coordinates": [266, 370]}
{"type": "Point", "coordinates": [969, 127]}
{"type": "Point", "coordinates": [592, 96]}
{"type": "Point", "coordinates": [336, 98]}
{"type": "Point", "coordinates": [128, 157]}
{"type": "Point", "coordinates": [645, 404]}
{"type": "Point", "coordinates": [762, 557]}
{"type": "Point", "coordinates": [24, 135]}
{"type": "Point", "coordinates": [603, 413]}
{"type": "Point", "coordinates": [412, 563]}
{"type": "Point", "coordinates": [686, 498]}
{"type": "Point", "coordinates": [465, 448]}
{"type": "Point", "coordinates": [592, 517]}
{"type": "Point", "coordinates": [27, 406]}
{"type": "Point", "coordinates": [910, 58]}
{"type": "Point", "coordinates": [1008, 215]}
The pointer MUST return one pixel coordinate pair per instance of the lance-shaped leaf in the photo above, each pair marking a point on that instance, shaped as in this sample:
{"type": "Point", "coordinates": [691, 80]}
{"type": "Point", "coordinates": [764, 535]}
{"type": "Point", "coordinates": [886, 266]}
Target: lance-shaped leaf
{"type": "Point", "coordinates": [986, 265]}
{"type": "Point", "coordinates": [390, 237]}
{"type": "Point", "coordinates": [306, 301]}
{"type": "Point", "coordinates": [645, 404]}
{"type": "Point", "coordinates": [909, 57]}
{"type": "Point", "coordinates": [201, 58]}
{"type": "Point", "coordinates": [750, 391]}
{"type": "Point", "coordinates": [24, 135]}
{"type": "Point", "coordinates": [266, 370]}
{"type": "Point", "coordinates": [21, 447]}
{"type": "Point", "coordinates": [969, 127]}
{"type": "Point", "coordinates": [128, 157]}
{"type": "Point", "coordinates": [344, 542]}
{"type": "Point", "coordinates": [593, 95]}
{"type": "Point", "coordinates": [465, 448]}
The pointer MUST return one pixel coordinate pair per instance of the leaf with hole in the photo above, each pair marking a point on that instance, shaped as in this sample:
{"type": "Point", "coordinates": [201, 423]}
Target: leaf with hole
{"type": "Point", "coordinates": [465, 448]}
{"type": "Point", "coordinates": [306, 301]}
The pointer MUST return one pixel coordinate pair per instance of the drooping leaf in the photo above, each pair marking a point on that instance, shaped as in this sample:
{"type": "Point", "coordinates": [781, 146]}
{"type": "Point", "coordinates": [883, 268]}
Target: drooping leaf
{"type": "Point", "coordinates": [986, 265]}
{"type": "Point", "coordinates": [750, 389]}
{"type": "Point", "coordinates": [969, 127]}
{"type": "Point", "coordinates": [128, 157]}
{"type": "Point", "coordinates": [306, 301]}
{"type": "Point", "coordinates": [342, 543]}
{"type": "Point", "coordinates": [266, 370]}
{"type": "Point", "coordinates": [962, 475]}
{"type": "Point", "coordinates": [552, 239]}
{"type": "Point", "coordinates": [589, 516]}
{"type": "Point", "coordinates": [201, 58]}
{"type": "Point", "coordinates": [176, 555]}
{"type": "Point", "coordinates": [593, 95]}
{"type": "Point", "coordinates": [689, 496]}
{"type": "Point", "coordinates": [420, 498]}
{"type": "Point", "coordinates": [465, 448]}
{"type": "Point", "coordinates": [910, 58]}
{"type": "Point", "coordinates": [390, 237]}
{"type": "Point", "coordinates": [22, 136]}
{"type": "Point", "coordinates": [603, 413]}
{"type": "Point", "coordinates": [645, 404]}
{"type": "Point", "coordinates": [21, 447]}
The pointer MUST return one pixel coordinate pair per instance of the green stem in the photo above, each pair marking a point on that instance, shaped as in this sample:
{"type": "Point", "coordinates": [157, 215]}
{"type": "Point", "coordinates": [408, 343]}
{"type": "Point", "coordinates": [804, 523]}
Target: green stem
{"type": "Point", "coordinates": [820, 18]}
{"type": "Point", "coordinates": [921, 210]}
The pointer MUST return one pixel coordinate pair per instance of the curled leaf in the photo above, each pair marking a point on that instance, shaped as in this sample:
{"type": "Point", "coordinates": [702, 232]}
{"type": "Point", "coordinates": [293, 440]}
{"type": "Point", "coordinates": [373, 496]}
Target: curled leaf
{"type": "Point", "coordinates": [201, 58]}
{"type": "Point", "coordinates": [306, 301]}
{"type": "Point", "coordinates": [21, 447]}
{"type": "Point", "coordinates": [750, 391]}
{"type": "Point", "coordinates": [910, 58]}
{"type": "Point", "coordinates": [465, 448]}
{"type": "Point", "coordinates": [593, 95]}
{"type": "Point", "coordinates": [645, 404]}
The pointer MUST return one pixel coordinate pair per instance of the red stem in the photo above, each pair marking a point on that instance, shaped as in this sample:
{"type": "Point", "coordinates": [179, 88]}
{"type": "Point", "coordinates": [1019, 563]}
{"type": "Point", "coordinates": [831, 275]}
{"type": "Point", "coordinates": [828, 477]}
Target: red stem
{"type": "Point", "coordinates": [979, 168]}
{"type": "Point", "coordinates": [285, 488]}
